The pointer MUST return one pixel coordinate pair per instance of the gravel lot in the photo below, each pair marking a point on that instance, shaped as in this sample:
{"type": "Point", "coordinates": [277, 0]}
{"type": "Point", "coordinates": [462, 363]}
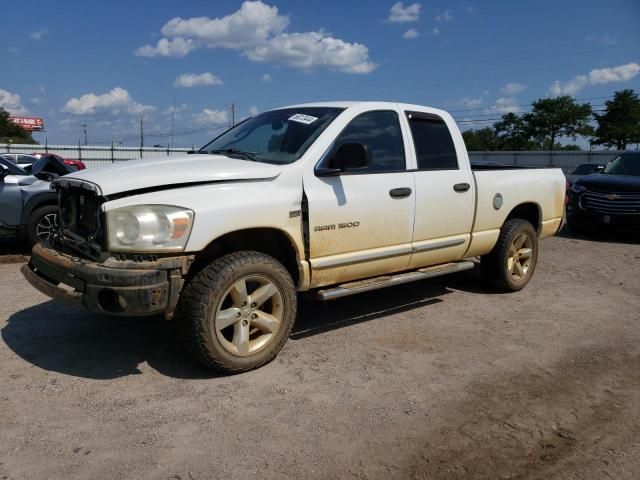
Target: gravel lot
{"type": "Point", "coordinates": [438, 379]}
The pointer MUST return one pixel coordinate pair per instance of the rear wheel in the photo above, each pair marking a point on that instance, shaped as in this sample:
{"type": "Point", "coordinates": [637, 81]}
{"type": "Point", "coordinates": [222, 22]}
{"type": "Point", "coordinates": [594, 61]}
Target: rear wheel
{"type": "Point", "coordinates": [512, 261]}
{"type": "Point", "coordinates": [237, 313]}
{"type": "Point", "coordinates": [42, 224]}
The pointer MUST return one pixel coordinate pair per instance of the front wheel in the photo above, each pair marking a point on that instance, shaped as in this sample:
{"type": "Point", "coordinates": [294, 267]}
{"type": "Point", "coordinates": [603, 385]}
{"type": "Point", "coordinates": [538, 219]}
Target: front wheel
{"type": "Point", "coordinates": [511, 263]}
{"type": "Point", "coordinates": [42, 224]}
{"type": "Point", "coordinates": [237, 313]}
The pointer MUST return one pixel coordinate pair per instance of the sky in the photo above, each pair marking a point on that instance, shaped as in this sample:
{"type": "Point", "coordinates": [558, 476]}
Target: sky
{"type": "Point", "coordinates": [108, 64]}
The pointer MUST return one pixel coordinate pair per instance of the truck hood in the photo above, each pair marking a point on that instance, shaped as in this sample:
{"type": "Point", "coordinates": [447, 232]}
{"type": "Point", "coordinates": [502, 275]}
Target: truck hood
{"type": "Point", "coordinates": [169, 172]}
{"type": "Point", "coordinates": [605, 182]}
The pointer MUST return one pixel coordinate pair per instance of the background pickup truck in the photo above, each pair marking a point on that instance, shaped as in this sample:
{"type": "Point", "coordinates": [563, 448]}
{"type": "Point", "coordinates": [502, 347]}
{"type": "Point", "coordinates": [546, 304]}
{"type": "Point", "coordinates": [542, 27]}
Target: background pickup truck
{"type": "Point", "coordinates": [330, 198]}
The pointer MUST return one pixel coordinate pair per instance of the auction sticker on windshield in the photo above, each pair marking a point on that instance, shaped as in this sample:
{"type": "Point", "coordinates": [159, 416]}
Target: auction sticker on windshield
{"type": "Point", "coordinates": [301, 118]}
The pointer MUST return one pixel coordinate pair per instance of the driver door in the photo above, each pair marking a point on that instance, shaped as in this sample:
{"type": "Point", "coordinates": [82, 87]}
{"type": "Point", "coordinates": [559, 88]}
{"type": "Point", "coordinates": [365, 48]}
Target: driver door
{"type": "Point", "coordinates": [361, 221]}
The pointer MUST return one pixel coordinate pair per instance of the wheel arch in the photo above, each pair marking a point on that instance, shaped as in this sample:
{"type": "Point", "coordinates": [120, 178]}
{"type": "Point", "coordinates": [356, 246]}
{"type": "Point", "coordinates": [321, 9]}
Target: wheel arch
{"type": "Point", "coordinates": [529, 211]}
{"type": "Point", "coordinates": [271, 241]}
{"type": "Point", "coordinates": [37, 201]}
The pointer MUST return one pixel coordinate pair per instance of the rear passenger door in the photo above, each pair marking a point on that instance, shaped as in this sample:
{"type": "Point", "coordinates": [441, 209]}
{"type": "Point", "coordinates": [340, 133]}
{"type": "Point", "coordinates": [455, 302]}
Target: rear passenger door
{"type": "Point", "coordinates": [445, 192]}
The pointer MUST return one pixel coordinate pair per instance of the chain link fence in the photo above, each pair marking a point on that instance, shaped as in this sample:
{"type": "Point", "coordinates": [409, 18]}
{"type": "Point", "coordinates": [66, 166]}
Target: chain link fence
{"type": "Point", "coordinates": [566, 160]}
{"type": "Point", "coordinates": [93, 155]}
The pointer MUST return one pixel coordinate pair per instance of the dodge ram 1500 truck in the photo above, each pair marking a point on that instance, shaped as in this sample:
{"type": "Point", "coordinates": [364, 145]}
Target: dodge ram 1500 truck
{"type": "Point", "coordinates": [327, 198]}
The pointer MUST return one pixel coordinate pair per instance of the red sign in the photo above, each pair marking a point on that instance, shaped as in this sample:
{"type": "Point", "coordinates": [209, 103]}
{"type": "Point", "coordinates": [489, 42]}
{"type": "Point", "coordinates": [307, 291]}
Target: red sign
{"type": "Point", "coordinates": [28, 123]}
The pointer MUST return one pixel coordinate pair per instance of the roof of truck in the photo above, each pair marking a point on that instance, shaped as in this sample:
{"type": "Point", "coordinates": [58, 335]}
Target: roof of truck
{"type": "Point", "coordinates": [370, 104]}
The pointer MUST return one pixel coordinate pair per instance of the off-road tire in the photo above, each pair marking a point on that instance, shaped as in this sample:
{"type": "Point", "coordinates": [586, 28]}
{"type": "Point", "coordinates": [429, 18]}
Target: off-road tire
{"type": "Point", "coordinates": [199, 302]}
{"type": "Point", "coordinates": [34, 219]}
{"type": "Point", "coordinates": [495, 265]}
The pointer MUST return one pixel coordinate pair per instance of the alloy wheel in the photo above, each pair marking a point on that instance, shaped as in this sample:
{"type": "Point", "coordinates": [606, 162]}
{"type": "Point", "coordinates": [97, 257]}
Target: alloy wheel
{"type": "Point", "coordinates": [249, 315]}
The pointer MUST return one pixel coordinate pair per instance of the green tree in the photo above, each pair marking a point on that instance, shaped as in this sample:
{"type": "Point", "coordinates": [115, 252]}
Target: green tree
{"type": "Point", "coordinates": [10, 132]}
{"type": "Point", "coordinates": [552, 118]}
{"type": "Point", "coordinates": [619, 125]}
{"type": "Point", "coordinates": [481, 140]}
{"type": "Point", "coordinates": [512, 133]}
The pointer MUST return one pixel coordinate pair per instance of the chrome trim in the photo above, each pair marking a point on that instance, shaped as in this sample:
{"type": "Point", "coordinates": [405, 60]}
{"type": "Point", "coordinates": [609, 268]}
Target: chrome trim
{"type": "Point", "coordinates": [360, 257]}
{"type": "Point", "coordinates": [430, 272]}
{"type": "Point", "coordinates": [437, 245]}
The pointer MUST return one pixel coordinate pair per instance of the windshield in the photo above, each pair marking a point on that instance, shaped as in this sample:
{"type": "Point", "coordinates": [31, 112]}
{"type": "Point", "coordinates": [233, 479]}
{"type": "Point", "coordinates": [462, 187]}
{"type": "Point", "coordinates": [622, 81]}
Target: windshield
{"type": "Point", "coordinates": [278, 136]}
{"type": "Point", "coordinates": [628, 164]}
{"type": "Point", "coordinates": [586, 168]}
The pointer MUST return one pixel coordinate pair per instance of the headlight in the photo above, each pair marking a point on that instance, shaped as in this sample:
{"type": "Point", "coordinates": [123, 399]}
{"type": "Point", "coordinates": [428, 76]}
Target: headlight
{"type": "Point", "coordinates": [577, 188]}
{"type": "Point", "coordinates": [156, 228]}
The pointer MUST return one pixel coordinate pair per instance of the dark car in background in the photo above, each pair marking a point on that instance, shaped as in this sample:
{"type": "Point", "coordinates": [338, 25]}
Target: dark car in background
{"type": "Point", "coordinates": [582, 170]}
{"type": "Point", "coordinates": [608, 199]}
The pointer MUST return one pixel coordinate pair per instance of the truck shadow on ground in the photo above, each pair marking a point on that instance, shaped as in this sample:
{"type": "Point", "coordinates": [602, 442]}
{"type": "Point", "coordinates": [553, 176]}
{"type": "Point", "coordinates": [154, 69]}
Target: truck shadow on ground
{"type": "Point", "coordinates": [613, 236]}
{"type": "Point", "coordinates": [65, 339]}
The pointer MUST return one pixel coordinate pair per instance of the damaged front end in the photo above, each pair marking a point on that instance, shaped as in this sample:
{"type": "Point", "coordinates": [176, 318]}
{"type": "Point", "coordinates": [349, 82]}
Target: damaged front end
{"type": "Point", "coordinates": [75, 266]}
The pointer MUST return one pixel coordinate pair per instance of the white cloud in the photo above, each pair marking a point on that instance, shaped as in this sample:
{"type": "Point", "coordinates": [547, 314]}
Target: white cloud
{"type": "Point", "coordinates": [257, 31]}
{"type": "Point", "coordinates": [400, 14]}
{"type": "Point", "coordinates": [513, 88]}
{"type": "Point", "coordinates": [210, 116]}
{"type": "Point", "coordinates": [12, 103]}
{"type": "Point", "coordinates": [189, 80]}
{"type": "Point", "coordinates": [39, 35]}
{"type": "Point", "coordinates": [469, 10]}
{"type": "Point", "coordinates": [469, 102]}
{"type": "Point", "coordinates": [178, 109]}
{"type": "Point", "coordinates": [118, 99]}
{"type": "Point", "coordinates": [253, 110]}
{"type": "Point", "coordinates": [411, 33]}
{"type": "Point", "coordinates": [598, 76]}
{"type": "Point", "coordinates": [622, 73]}
{"type": "Point", "coordinates": [504, 105]}
{"type": "Point", "coordinates": [313, 49]}
{"type": "Point", "coordinates": [37, 100]}
{"type": "Point", "coordinates": [445, 16]}
{"type": "Point", "coordinates": [266, 77]}
{"type": "Point", "coordinates": [177, 47]}
{"type": "Point", "coordinates": [435, 31]}
{"type": "Point", "coordinates": [13, 50]}
{"type": "Point", "coordinates": [570, 87]}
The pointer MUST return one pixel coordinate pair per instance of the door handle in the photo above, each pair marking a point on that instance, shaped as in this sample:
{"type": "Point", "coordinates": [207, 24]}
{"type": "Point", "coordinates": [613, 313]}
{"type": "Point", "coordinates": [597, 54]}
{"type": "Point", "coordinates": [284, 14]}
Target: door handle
{"type": "Point", "coordinates": [461, 187]}
{"type": "Point", "coordinates": [400, 192]}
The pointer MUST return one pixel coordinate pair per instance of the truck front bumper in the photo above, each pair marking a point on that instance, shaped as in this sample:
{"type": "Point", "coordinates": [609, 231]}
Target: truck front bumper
{"type": "Point", "coordinates": [117, 287]}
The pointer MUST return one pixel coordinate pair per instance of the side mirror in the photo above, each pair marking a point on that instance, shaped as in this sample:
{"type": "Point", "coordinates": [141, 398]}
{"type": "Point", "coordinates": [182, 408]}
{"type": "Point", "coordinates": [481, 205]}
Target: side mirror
{"type": "Point", "coordinates": [4, 171]}
{"type": "Point", "coordinates": [348, 156]}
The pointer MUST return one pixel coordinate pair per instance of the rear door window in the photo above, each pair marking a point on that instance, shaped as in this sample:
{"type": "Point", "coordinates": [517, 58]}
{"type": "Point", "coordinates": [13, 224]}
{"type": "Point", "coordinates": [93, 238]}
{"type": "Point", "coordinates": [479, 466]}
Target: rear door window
{"type": "Point", "coordinates": [433, 143]}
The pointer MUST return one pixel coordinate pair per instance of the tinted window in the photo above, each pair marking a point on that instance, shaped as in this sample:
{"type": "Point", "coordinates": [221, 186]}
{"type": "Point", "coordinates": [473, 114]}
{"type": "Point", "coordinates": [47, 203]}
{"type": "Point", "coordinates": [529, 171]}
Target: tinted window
{"type": "Point", "coordinates": [434, 146]}
{"type": "Point", "coordinates": [380, 132]}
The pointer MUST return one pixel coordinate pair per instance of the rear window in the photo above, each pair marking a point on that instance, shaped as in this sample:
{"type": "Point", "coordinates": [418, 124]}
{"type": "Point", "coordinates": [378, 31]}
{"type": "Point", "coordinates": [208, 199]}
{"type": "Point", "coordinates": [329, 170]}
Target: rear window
{"type": "Point", "coordinates": [433, 142]}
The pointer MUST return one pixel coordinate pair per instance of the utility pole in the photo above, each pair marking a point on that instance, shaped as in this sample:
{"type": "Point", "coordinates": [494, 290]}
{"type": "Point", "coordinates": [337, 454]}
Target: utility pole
{"type": "Point", "coordinates": [233, 114]}
{"type": "Point", "coordinates": [84, 127]}
{"type": "Point", "coordinates": [141, 133]}
{"type": "Point", "coordinates": [173, 118]}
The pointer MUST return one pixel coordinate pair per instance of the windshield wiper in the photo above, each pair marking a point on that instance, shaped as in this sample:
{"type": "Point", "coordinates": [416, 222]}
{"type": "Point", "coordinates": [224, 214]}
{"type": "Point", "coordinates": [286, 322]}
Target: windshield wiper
{"type": "Point", "coordinates": [232, 151]}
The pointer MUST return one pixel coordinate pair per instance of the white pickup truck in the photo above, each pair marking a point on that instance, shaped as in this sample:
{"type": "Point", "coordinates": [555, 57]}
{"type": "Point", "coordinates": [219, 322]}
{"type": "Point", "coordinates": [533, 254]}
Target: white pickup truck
{"type": "Point", "coordinates": [327, 198]}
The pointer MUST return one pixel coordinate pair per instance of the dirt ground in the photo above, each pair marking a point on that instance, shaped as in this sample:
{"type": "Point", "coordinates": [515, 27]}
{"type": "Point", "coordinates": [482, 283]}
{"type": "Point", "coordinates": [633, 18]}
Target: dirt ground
{"type": "Point", "coordinates": [437, 379]}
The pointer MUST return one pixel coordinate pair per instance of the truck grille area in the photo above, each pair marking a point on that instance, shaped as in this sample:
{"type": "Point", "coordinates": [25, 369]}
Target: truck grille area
{"type": "Point", "coordinates": [80, 221]}
{"type": "Point", "coordinates": [611, 203]}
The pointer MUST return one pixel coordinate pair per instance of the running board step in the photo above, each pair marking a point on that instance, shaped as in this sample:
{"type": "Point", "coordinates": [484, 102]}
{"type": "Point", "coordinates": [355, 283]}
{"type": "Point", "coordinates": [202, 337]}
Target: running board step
{"type": "Point", "coordinates": [375, 283]}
